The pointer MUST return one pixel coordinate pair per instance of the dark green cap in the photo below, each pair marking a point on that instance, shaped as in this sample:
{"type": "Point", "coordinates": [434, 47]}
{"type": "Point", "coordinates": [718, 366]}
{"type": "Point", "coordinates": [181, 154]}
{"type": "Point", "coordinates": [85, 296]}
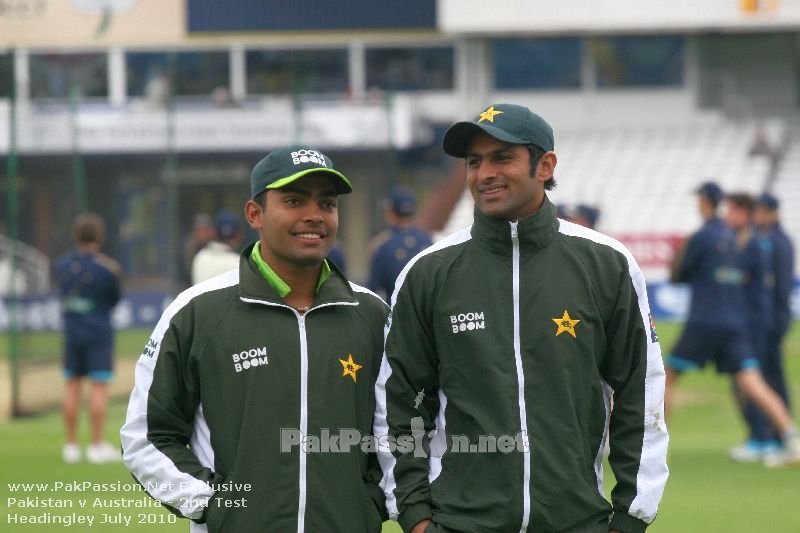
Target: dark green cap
{"type": "Point", "coordinates": [290, 163]}
{"type": "Point", "coordinates": [509, 123]}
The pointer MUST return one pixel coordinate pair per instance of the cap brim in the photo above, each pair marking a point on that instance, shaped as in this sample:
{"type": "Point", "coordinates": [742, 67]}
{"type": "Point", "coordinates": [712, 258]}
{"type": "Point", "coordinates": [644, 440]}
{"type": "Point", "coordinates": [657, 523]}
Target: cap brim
{"type": "Point", "coordinates": [341, 183]}
{"type": "Point", "coordinates": [457, 137]}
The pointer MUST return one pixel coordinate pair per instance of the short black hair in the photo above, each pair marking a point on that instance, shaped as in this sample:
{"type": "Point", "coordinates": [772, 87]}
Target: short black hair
{"type": "Point", "coordinates": [536, 154]}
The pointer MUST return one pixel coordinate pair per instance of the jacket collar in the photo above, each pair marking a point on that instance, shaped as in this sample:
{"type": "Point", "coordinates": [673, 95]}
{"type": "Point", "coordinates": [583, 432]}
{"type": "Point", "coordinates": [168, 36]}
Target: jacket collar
{"type": "Point", "coordinates": [252, 285]}
{"type": "Point", "coordinates": [534, 232]}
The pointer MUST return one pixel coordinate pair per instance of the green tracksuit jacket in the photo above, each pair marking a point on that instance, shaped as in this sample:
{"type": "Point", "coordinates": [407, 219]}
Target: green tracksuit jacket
{"type": "Point", "coordinates": [505, 344]}
{"type": "Point", "coordinates": [240, 401]}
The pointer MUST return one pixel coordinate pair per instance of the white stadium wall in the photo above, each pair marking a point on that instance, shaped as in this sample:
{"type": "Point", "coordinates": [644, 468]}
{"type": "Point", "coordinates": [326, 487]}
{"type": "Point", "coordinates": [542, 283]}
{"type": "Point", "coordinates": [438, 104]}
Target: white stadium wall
{"type": "Point", "coordinates": [548, 16]}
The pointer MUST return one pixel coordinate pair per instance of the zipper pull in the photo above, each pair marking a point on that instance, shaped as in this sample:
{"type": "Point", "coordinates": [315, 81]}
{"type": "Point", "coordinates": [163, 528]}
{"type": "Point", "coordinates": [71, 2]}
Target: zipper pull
{"type": "Point", "coordinates": [514, 229]}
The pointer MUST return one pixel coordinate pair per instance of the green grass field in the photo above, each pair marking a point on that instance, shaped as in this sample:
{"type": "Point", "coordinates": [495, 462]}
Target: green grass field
{"type": "Point", "coordinates": [46, 345]}
{"type": "Point", "coordinates": [706, 492]}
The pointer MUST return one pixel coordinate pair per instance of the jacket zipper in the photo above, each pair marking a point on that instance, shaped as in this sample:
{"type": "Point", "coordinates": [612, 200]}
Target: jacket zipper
{"type": "Point", "coordinates": [303, 470]}
{"type": "Point", "coordinates": [301, 507]}
{"type": "Point", "coordinates": [523, 413]}
{"type": "Point", "coordinates": [302, 474]}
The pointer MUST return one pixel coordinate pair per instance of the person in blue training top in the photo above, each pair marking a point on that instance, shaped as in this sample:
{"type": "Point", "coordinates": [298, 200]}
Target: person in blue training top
{"type": "Point", "coordinates": [767, 220]}
{"type": "Point", "coordinates": [717, 266]}
{"type": "Point", "coordinates": [751, 258]}
{"type": "Point", "coordinates": [395, 246]}
{"type": "Point", "coordinates": [89, 285]}
{"type": "Point", "coordinates": [778, 251]}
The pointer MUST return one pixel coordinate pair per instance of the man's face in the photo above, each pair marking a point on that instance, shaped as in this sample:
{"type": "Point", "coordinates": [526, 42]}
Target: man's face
{"type": "Point", "coordinates": [298, 226]}
{"type": "Point", "coordinates": [705, 207]}
{"type": "Point", "coordinates": [204, 233]}
{"type": "Point", "coordinates": [763, 216]}
{"type": "Point", "coordinates": [499, 178]}
{"type": "Point", "coordinates": [736, 216]}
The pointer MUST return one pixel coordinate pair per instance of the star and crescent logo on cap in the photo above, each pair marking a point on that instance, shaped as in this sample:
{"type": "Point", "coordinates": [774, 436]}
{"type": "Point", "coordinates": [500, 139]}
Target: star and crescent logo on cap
{"type": "Point", "coordinates": [489, 114]}
{"type": "Point", "coordinates": [350, 367]}
{"type": "Point", "coordinates": [565, 324]}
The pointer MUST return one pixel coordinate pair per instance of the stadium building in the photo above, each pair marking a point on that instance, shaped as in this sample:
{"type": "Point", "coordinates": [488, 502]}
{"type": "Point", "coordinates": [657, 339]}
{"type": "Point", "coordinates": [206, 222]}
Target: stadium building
{"type": "Point", "coordinates": [150, 112]}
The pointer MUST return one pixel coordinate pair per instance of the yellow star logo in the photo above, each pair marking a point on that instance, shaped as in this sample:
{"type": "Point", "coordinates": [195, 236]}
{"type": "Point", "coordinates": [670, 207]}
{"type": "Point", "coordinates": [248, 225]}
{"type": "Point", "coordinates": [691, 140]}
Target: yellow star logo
{"type": "Point", "coordinates": [350, 367]}
{"type": "Point", "coordinates": [565, 323]}
{"type": "Point", "coordinates": [489, 114]}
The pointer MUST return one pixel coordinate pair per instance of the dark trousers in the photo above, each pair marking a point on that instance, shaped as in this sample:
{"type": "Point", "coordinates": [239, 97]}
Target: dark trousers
{"type": "Point", "coordinates": [771, 364]}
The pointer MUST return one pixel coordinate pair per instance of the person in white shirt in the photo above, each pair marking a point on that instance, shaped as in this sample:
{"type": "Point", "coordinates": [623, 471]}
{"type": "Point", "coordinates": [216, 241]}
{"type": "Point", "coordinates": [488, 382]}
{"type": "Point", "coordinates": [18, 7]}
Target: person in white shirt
{"type": "Point", "coordinates": [222, 253]}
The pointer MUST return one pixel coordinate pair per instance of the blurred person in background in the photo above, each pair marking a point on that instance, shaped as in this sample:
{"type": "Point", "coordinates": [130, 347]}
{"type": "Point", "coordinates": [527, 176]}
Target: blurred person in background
{"type": "Point", "coordinates": [584, 214]}
{"type": "Point", "coordinates": [781, 280]}
{"type": "Point", "coordinates": [246, 373]}
{"type": "Point", "coordinates": [718, 264]}
{"type": "Point", "coordinates": [338, 257]}
{"type": "Point", "coordinates": [778, 251]}
{"type": "Point", "coordinates": [587, 215]}
{"type": "Point", "coordinates": [89, 285]}
{"type": "Point", "coordinates": [394, 247]}
{"type": "Point", "coordinates": [752, 260]}
{"type": "Point", "coordinates": [221, 253]}
{"type": "Point", "coordinates": [202, 232]}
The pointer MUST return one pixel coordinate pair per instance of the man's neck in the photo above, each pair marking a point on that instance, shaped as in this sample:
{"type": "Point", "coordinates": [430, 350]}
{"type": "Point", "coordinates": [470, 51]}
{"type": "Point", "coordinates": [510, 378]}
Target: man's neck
{"type": "Point", "coordinates": [297, 284]}
{"type": "Point", "coordinates": [88, 247]}
{"type": "Point", "coordinates": [303, 281]}
{"type": "Point", "coordinates": [404, 224]}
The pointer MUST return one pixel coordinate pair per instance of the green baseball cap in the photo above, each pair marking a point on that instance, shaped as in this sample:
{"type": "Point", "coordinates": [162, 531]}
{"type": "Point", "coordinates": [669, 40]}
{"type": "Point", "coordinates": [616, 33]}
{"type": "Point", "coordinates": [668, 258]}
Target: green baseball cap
{"type": "Point", "coordinates": [509, 123]}
{"type": "Point", "coordinates": [290, 163]}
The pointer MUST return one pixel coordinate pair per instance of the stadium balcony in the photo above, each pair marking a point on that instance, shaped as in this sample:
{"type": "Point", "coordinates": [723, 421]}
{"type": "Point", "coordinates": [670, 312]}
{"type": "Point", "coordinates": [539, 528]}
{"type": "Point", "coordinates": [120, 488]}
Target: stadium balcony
{"type": "Point", "coordinates": [196, 125]}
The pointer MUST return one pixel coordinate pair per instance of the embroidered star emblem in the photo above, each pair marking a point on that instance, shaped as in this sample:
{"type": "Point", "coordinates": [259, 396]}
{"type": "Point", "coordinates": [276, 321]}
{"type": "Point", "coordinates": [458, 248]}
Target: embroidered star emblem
{"type": "Point", "coordinates": [350, 367]}
{"type": "Point", "coordinates": [489, 114]}
{"type": "Point", "coordinates": [565, 323]}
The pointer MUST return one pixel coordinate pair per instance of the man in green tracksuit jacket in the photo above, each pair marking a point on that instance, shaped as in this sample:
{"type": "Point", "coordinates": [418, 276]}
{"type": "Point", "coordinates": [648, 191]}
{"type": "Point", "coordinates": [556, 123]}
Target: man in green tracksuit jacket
{"type": "Point", "coordinates": [255, 391]}
{"type": "Point", "coordinates": [506, 345]}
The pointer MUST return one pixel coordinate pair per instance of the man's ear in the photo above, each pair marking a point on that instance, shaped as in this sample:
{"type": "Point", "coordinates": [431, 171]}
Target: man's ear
{"type": "Point", "coordinates": [546, 166]}
{"type": "Point", "coordinates": [253, 213]}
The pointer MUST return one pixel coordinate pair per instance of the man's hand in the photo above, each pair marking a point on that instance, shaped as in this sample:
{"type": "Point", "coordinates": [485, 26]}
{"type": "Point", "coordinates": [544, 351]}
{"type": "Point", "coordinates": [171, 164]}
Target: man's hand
{"type": "Point", "coordinates": [420, 527]}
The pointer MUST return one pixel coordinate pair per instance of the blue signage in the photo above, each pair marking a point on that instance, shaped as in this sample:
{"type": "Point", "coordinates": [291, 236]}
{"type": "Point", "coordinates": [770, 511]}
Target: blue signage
{"type": "Point", "coordinates": [307, 15]}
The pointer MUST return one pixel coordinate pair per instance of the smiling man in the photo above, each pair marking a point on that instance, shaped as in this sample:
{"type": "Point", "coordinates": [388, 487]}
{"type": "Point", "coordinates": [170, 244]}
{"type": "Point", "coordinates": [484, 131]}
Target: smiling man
{"type": "Point", "coordinates": [248, 372]}
{"type": "Point", "coordinates": [512, 337]}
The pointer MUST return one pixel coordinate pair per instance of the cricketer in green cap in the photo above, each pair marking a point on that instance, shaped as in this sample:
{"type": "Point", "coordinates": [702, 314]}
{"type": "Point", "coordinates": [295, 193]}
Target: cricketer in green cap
{"type": "Point", "coordinates": [509, 123]}
{"type": "Point", "coordinates": [290, 163]}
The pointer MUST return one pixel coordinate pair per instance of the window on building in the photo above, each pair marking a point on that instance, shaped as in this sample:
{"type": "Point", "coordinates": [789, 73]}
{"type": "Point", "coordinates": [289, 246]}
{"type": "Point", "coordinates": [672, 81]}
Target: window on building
{"type": "Point", "coordinates": [197, 73]}
{"type": "Point", "coordinates": [410, 69]}
{"type": "Point", "coordinates": [6, 75]}
{"type": "Point", "coordinates": [639, 61]}
{"type": "Point", "coordinates": [297, 71]}
{"type": "Point", "coordinates": [537, 63]}
{"type": "Point", "coordinates": [62, 75]}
